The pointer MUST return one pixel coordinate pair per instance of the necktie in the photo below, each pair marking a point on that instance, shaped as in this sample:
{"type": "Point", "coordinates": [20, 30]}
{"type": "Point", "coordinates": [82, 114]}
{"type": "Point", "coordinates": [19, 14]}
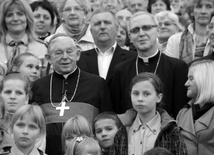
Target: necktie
{"type": "Point", "coordinates": [15, 52]}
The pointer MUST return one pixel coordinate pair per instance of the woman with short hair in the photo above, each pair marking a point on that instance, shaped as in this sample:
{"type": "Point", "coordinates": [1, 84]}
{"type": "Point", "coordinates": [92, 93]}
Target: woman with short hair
{"type": "Point", "coordinates": [196, 119]}
{"type": "Point", "coordinates": [168, 24]}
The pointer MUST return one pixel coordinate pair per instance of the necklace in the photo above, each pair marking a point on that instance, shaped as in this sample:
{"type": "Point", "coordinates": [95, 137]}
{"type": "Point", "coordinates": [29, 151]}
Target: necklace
{"type": "Point", "coordinates": [64, 99]}
{"type": "Point", "coordinates": [155, 67]}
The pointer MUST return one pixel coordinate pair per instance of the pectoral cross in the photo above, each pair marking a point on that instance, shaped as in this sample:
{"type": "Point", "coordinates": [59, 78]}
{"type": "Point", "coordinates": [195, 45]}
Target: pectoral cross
{"type": "Point", "coordinates": [62, 108]}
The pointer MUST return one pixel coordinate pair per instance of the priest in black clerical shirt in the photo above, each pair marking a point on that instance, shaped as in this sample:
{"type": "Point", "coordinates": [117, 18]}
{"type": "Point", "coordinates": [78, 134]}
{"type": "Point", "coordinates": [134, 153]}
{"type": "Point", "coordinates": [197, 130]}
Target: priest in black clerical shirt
{"type": "Point", "coordinates": [143, 32]}
{"type": "Point", "coordinates": [67, 91]}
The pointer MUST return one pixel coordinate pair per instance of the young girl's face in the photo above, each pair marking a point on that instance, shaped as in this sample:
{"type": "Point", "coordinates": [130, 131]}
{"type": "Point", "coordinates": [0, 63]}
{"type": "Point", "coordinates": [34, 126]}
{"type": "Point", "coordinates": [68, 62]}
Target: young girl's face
{"type": "Point", "coordinates": [69, 139]}
{"type": "Point", "coordinates": [105, 130]}
{"type": "Point", "coordinates": [25, 132]}
{"type": "Point", "coordinates": [144, 97]}
{"type": "Point", "coordinates": [14, 94]}
{"type": "Point", "coordinates": [30, 68]}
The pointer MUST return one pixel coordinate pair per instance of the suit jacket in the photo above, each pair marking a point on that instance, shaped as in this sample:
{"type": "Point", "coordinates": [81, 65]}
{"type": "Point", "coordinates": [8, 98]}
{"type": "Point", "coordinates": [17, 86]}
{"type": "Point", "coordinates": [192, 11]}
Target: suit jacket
{"type": "Point", "coordinates": [89, 61]}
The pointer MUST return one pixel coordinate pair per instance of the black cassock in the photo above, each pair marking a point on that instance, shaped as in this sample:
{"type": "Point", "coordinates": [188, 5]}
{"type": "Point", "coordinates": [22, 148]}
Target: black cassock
{"type": "Point", "coordinates": [171, 71]}
{"type": "Point", "coordinates": [91, 97]}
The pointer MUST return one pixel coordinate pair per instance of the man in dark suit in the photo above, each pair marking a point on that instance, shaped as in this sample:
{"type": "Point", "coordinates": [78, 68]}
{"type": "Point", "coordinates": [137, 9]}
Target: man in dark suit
{"type": "Point", "coordinates": [107, 53]}
{"type": "Point", "coordinates": [143, 32]}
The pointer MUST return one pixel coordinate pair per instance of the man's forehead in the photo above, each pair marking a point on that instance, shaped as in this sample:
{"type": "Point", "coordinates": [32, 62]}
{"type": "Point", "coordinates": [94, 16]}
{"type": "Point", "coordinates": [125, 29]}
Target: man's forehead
{"type": "Point", "coordinates": [142, 18]}
{"type": "Point", "coordinates": [102, 16]}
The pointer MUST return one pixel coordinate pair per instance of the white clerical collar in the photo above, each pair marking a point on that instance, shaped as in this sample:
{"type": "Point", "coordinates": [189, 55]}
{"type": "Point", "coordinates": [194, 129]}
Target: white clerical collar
{"type": "Point", "coordinates": [108, 51]}
{"type": "Point", "coordinates": [146, 59]}
{"type": "Point", "coordinates": [66, 75]}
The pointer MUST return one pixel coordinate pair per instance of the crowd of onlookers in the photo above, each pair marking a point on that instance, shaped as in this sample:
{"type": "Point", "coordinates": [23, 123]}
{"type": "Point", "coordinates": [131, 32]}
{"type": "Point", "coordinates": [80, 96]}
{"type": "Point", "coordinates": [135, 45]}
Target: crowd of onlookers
{"type": "Point", "coordinates": [106, 77]}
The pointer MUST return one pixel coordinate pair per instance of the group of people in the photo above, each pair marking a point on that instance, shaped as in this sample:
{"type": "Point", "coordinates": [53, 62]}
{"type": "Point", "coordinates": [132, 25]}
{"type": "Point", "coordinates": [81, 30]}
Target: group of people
{"type": "Point", "coordinates": [108, 77]}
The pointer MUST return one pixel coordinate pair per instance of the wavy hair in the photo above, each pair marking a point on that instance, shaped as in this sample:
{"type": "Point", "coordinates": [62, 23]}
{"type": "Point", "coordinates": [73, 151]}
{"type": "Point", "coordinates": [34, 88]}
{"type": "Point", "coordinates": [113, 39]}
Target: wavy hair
{"type": "Point", "coordinates": [24, 7]}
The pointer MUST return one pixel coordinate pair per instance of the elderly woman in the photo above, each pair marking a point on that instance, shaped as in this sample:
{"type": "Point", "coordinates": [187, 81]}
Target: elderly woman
{"type": "Point", "coordinates": [75, 14]}
{"type": "Point", "coordinates": [193, 42]}
{"type": "Point", "coordinates": [168, 24]}
{"type": "Point", "coordinates": [44, 15]}
{"type": "Point", "coordinates": [156, 6]}
{"type": "Point", "coordinates": [17, 30]}
{"type": "Point", "coordinates": [196, 120]}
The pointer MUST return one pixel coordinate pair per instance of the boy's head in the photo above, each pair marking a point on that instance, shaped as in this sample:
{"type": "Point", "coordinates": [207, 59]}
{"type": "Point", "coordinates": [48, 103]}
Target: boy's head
{"type": "Point", "coordinates": [105, 127]}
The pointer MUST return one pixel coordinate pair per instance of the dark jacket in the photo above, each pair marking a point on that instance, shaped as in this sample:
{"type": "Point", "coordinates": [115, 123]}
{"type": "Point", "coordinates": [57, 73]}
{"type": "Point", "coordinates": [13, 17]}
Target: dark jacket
{"type": "Point", "coordinates": [169, 136]}
{"type": "Point", "coordinates": [88, 61]}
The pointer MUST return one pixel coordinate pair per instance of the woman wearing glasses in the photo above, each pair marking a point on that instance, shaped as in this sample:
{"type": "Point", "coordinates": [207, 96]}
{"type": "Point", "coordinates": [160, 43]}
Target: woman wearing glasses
{"type": "Point", "coordinates": [168, 24]}
{"type": "Point", "coordinates": [193, 42]}
{"type": "Point", "coordinates": [74, 15]}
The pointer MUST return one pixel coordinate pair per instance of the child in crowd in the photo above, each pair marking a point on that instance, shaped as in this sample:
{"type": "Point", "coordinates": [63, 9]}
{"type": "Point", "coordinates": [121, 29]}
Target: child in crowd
{"type": "Point", "coordinates": [111, 134]}
{"type": "Point", "coordinates": [28, 65]}
{"type": "Point", "coordinates": [158, 151]}
{"type": "Point", "coordinates": [3, 70]}
{"type": "Point", "coordinates": [16, 91]}
{"type": "Point", "coordinates": [75, 126]}
{"type": "Point", "coordinates": [83, 145]}
{"type": "Point", "coordinates": [151, 127]}
{"type": "Point", "coordinates": [27, 125]}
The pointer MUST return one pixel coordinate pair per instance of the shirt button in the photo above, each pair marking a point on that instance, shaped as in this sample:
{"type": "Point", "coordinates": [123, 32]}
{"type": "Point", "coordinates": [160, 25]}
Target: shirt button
{"type": "Point", "coordinates": [141, 143]}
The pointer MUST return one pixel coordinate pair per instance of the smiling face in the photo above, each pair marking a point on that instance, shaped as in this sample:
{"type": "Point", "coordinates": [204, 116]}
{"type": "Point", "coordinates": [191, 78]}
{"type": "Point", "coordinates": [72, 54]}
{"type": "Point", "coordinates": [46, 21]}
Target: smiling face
{"type": "Point", "coordinates": [73, 14]}
{"type": "Point", "coordinates": [144, 41]}
{"type": "Point", "coordinates": [42, 19]}
{"type": "Point", "coordinates": [202, 12]}
{"type": "Point", "coordinates": [158, 6]}
{"type": "Point", "coordinates": [30, 68]}
{"type": "Point", "coordinates": [14, 94]}
{"type": "Point", "coordinates": [63, 55]}
{"type": "Point", "coordinates": [166, 28]}
{"type": "Point", "coordinates": [103, 28]}
{"type": "Point", "coordinates": [105, 131]}
{"type": "Point", "coordinates": [192, 88]}
{"type": "Point", "coordinates": [15, 20]}
{"type": "Point", "coordinates": [25, 132]}
{"type": "Point", "coordinates": [144, 98]}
